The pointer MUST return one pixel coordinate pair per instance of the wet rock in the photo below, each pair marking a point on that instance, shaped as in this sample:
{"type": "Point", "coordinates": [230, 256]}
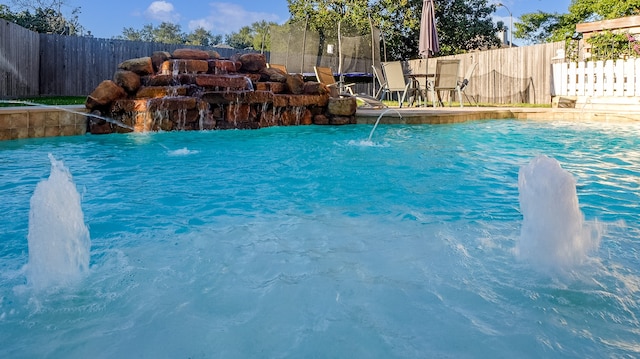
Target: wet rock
{"type": "Point", "coordinates": [252, 62]}
{"type": "Point", "coordinates": [220, 67]}
{"type": "Point", "coordinates": [128, 80]}
{"type": "Point", "coordinates": [103, 95]}
{"type": "Point", "coordinates": [274, 75]}
{"type": "Point", "coordinates": [191, 54]}
{"type": "Point", "coordinates": [141, 66]}
{"type": "Point", "coordinates": [295, 83]}
{"type": "Point", "coordinates": [157, 58]}
{"type": "Point", "coordinates": [184, 66]}
{"type": "Point", "coordinates": [342, 106]}
{"type": "Point", "coordinates": [161, 91]}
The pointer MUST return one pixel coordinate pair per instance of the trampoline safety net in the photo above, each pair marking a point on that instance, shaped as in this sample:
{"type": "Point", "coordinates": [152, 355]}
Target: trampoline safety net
{"type": "Point", "coordinates": [300, 48]}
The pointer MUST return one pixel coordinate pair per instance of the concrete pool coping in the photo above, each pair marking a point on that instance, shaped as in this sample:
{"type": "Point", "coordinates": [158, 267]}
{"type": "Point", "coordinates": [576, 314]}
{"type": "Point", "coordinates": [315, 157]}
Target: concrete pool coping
{"type": "Point", "coordinates": [47, 121]}
{"type": "Point", "coordinates": [442, 115]}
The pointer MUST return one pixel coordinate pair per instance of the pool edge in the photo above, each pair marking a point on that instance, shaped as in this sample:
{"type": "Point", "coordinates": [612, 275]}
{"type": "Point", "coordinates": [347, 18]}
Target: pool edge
{"type": "Point", "coordinates": [46, 121]}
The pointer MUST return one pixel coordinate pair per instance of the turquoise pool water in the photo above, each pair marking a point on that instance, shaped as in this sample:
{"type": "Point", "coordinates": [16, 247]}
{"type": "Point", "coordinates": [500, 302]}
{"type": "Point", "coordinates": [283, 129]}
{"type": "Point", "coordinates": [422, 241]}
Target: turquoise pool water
{"type": "Point", "coordinates": [311, 242]}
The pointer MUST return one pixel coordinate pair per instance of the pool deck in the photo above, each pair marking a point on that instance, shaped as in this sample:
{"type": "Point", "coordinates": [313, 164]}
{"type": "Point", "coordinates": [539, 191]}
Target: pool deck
{"type": "Point", "coordinates": [45, 121]}
{"type": "Point", "coordinates": [442, 115]}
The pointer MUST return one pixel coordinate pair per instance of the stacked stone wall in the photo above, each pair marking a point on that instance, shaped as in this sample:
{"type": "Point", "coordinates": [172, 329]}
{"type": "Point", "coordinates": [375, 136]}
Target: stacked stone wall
{"type": "Point", "coordinates": [197, 90]}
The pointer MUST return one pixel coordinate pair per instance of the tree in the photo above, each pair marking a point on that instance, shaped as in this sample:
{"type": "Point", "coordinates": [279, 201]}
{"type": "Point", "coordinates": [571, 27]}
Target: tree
{"type": "Point", "coordinates": [468, 23]}
{"type": "Point", "coordinates": [144, 34]}
{"type": "Point", "coordinates": [202, 37]}
{"type": "Point", "coordinates": [468, 26]}
{"type": "Point", "coordinates": [541, 27]}
{"type": "Point", "coordinates": [261, 35]}
{"type": "Point", "coordinates": [166, 33]}
{"type": "Point", "coordinates": [323, 15]}
{"type": "Point", "coordinates": [241, 39]}
{"type": "Point", "coordinates": [169, 33]}
{"type": "Point", "coordinates": [44, 17]}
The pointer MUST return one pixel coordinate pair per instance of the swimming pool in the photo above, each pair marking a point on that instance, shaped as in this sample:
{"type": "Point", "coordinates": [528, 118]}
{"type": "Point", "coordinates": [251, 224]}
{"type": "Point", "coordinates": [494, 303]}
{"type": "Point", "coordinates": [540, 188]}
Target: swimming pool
{"type": "Point", "coordinates": [309, 241]}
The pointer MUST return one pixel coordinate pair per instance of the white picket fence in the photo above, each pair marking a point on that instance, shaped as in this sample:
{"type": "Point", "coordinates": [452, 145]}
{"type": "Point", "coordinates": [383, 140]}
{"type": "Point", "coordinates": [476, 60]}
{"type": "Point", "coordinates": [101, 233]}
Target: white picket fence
{"type": "Point", "coordinates": [620, 78]}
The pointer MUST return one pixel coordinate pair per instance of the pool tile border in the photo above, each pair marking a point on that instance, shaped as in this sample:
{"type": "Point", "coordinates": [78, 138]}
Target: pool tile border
{"type": "Point", "coordinates": [36, 121]}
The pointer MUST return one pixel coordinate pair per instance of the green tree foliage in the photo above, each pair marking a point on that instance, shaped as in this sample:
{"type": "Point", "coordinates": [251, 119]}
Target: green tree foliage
{"type": "Point", "coordinates": [144, 34]}
{"type": "Point", "coordinates": [537, 27]}
{"type": "Point", "coordinates": [542, 27]}
{"type": "Point", "coordinates": [169, 33]}
{"type": "Point", "coordinates": [166, 33]}
{"type": "Point", "coordinates": [468, 23]}
{"type": "Point", "coordinates": [202, 37]}
{"type": "Point", "coordinates": [241, 39]}
{"type": "Point", "coordinates": [261, 38]}
{"type": "Point", "coordinates": [323, 15]}
{"type": "Point", "coordinates": [465, 25]}
{"type": "Point", "coordinates": [257, 36]}
{"type": "Point", "coordinates": [43, 17]}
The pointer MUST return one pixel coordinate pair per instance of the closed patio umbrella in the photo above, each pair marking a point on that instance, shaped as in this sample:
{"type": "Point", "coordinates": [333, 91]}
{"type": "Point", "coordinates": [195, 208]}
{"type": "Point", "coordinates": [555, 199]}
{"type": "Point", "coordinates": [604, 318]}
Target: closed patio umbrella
{"type": "Point", "coordinates": [428, 44]}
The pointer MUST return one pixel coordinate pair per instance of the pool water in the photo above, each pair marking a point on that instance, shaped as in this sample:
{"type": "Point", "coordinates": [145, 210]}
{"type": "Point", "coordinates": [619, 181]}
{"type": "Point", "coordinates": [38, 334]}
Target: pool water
{"type": "Point", "coordinates": [313, 242]}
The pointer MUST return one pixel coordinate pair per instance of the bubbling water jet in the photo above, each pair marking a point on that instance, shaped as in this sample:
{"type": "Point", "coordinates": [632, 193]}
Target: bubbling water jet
{"type": "Point", "coordinates": [554, 234]}
{"type": "Point", "coordinates": [58, 238]}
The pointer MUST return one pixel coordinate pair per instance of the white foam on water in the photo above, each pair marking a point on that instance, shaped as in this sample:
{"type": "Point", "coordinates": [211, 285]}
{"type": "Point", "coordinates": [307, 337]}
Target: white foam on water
{"type": "Point", "coordinates": [366, 143]}
{"type": "Point", "coordinates": [554, 234]}
{"type": "Point", "coordinates": [182, 152]}
{"type": "Point", "coordinates": [59, 241]}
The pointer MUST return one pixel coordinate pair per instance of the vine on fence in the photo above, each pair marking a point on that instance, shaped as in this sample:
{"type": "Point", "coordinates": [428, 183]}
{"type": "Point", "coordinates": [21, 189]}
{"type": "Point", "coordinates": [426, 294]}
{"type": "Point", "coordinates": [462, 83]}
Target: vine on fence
{"type": "Point", "coordinates": [611, 46]}
{"type": "Point", "coordinates": [605, 45]}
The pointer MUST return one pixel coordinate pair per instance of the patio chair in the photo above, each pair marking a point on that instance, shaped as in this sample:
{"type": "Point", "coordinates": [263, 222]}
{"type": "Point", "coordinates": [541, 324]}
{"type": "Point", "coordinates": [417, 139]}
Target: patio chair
{"type": "Point", "coordinates": [396, 81]}
{"type": "Point", "coordinates": [280, 67]}
{"type": "Point", "coordinates": [465, 83]}
{"type": "Point", "coordinates": [324, 75]}
{"type": "Point", "coordinates": [383, 90]}
{"type": "Point", "coordinates": [447, 80]}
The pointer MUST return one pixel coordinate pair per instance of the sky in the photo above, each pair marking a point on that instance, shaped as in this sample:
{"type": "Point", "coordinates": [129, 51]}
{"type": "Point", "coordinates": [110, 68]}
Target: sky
{"type": "Point", "coordinates": [107, 19]}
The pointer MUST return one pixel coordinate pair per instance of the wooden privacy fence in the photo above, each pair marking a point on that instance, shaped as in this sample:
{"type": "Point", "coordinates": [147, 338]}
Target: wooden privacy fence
{"type": "Point", "coordinates": [620, 78]}
{"type": "Point", "coordinates": [19, 61]}
{"type": "Point", "coordinates": [507, 75]}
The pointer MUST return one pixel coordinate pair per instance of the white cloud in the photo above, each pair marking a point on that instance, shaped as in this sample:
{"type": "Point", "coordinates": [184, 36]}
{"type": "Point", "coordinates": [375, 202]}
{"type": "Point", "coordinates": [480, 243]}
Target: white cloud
{"type": "Point", "coordinates": [162, 11]}
{"type": "Point", "coordinates": [227, 17]}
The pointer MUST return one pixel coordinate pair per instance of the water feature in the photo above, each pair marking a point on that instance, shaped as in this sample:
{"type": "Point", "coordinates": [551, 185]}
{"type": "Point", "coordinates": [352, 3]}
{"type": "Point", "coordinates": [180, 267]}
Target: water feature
{"type": "Point", "coordinates": [58, 238]}
{"type": "Point", "coordinates": [554, 233]}
{"type": "Point", "coordinates": [301, 242]}
{"type": "Point", "coordinates": [378, 121]}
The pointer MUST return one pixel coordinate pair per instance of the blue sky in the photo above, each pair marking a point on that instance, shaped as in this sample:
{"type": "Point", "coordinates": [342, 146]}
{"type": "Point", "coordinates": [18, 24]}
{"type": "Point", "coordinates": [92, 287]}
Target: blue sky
{"type": "Point", "coordinates": [106, 19]}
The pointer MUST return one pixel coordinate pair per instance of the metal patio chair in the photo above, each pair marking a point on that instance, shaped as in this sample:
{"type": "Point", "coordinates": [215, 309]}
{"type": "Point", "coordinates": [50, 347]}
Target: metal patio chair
{"type": "Point", "coordinates": [324, 75]}
{"type": "Point", "coordinates": [382, 82]}
{"type": "Point", "coordinates": [396, 81]}
{"type": "Point", "coordinates": [447, 80]}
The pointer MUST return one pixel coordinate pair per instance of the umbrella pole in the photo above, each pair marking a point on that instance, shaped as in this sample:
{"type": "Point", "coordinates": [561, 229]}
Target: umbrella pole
{"type": "Point", "coordinates": [373, 54]}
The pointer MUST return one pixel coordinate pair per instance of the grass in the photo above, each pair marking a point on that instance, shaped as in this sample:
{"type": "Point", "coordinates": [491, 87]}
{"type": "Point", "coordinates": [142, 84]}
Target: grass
{"type": "Point", "coordinates": [53, 100]}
